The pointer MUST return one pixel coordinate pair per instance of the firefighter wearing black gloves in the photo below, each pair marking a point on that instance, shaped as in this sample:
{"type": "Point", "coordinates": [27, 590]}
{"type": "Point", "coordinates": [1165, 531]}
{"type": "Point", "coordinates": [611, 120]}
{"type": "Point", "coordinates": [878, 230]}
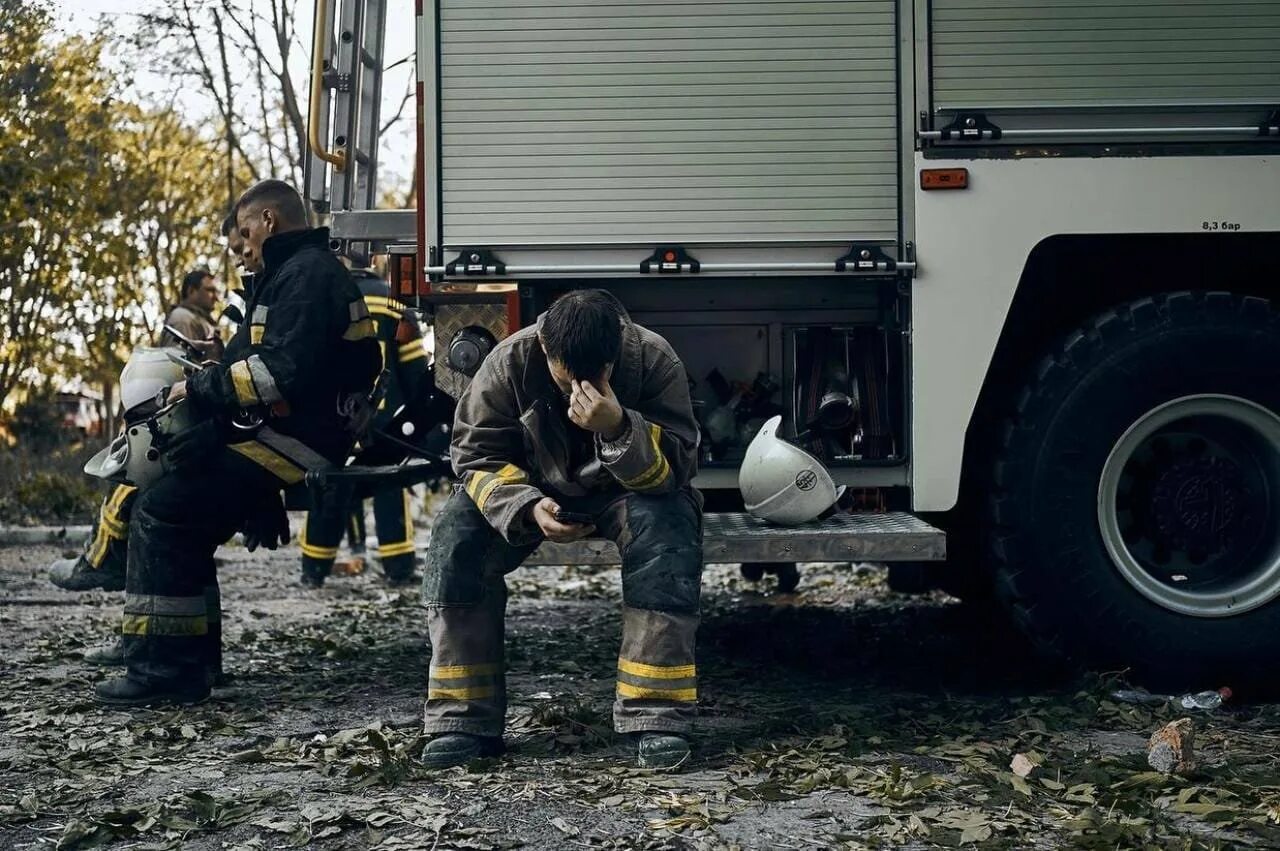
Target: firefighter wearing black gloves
{"type": "Point", "coordinates": [586, 413]}
{"type": "Point", "coordinates": [404, 356]}
{"type": "Point", "coordinates": [303, 365]}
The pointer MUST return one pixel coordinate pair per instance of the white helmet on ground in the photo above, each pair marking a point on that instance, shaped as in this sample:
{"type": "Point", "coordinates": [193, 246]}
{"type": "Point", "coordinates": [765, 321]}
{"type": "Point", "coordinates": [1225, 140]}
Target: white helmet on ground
{"type": "Point", "coordinates": [783, 484]}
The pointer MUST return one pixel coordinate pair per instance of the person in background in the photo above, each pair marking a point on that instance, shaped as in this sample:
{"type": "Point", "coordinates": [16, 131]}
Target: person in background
{"type": "Point", "coordinates": [193, 317]}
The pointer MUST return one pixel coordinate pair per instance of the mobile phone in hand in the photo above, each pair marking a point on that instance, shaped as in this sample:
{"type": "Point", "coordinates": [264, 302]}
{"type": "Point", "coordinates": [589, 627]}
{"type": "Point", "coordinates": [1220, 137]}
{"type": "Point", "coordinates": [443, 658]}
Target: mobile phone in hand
{"type": "Point", "coordinates": [580, 518]}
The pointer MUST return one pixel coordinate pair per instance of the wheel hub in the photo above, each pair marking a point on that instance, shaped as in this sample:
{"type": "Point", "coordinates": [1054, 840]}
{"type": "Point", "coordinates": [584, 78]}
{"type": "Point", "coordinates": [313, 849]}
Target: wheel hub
{"type": "Point", "coordinates": [1200, 505]}
{"type": "Point", "coordinates": [1187, 505]}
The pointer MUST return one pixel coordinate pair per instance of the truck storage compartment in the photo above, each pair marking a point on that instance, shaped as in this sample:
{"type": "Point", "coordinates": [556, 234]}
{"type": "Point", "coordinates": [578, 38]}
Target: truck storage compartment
{"type": "Point", "coordinates": [640, 123]}
{"type": "Point", "coordinates": [1098, 52]}
{"type": "Point", "coordinates": [1096, 71]}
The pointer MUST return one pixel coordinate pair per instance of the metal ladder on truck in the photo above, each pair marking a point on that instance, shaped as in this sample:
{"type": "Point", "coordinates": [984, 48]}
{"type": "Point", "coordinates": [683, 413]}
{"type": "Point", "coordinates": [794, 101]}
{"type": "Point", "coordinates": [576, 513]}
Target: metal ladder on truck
{"type": "Point", "coordinates": [341, 166]}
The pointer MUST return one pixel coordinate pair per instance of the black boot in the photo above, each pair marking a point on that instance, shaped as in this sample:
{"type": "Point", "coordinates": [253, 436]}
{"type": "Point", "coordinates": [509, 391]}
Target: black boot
{"type": "Point", "coordinates": [107, 655]}
{"type": "Point", "coordinates": [76, 574]}
{"type": "Point", "coordinates": [661, 751]}
{"type": "Point", "coordinates": [450, 749]}
{"type": "Point", "coordinates": [400, 578]}
{"type": "Point", "coordinates": [314, 575]}
{"type": "Point", "coordinates": [124, 691]}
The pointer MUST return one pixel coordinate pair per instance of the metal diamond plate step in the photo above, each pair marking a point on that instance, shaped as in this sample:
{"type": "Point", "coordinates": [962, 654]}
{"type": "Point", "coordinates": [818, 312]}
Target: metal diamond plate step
{"type": "Point", "coordinates": [735, 538]}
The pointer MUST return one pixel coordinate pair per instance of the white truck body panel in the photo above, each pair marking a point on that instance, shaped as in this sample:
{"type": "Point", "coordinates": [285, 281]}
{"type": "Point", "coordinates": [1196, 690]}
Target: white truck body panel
{"type": "Point", "coordinates": [974, 244]}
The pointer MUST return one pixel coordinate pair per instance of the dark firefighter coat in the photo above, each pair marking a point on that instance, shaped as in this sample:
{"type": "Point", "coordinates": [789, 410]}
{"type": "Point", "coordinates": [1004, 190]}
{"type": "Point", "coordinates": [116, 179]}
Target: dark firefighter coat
{"type": "Point", "coordinates": [404, 353]}
{"type": "Point", "coordinates": [307, 347]}
{"type": "Point", "coordinates": [513, 442]}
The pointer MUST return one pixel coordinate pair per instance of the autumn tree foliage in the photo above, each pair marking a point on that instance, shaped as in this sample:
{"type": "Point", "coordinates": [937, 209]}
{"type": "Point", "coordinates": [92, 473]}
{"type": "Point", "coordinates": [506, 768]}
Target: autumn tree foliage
{"type": "Point", "coordinates": [104, 203]}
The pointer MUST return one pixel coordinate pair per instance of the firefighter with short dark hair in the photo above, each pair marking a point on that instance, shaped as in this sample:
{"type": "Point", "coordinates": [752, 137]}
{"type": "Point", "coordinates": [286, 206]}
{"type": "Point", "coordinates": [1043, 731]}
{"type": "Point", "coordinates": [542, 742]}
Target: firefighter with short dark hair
{"type": "Point", "coordinates": [291, 395]}
{"type": "Point", "coordinates": [578, 425]}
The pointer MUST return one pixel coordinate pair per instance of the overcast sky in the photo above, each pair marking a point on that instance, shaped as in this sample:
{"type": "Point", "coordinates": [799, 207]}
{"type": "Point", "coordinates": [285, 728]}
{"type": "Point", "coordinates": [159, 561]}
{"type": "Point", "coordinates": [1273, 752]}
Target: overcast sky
{"type": "Point", "coordinates": [397, 152]}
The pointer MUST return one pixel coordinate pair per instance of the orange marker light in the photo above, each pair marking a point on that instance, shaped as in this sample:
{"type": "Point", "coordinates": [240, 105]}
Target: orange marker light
{"type": "Point", "coordinates": [944, 178]}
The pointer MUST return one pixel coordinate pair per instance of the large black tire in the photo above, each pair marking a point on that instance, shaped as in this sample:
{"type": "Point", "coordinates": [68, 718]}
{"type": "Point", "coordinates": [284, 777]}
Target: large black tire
{"type": "Point", "coordinates": [1053, 568]}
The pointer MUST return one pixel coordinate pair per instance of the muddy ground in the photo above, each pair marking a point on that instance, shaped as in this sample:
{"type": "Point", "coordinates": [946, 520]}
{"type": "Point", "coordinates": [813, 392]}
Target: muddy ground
{"type": "Point", "coordinates": [841, 716]}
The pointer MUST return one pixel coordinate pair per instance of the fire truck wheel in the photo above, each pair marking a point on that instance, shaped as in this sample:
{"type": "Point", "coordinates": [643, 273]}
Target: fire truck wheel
{"type": "Point", "coordinates": [1135, 515]}
{"type": "Point", "coordinates": [752, 571]}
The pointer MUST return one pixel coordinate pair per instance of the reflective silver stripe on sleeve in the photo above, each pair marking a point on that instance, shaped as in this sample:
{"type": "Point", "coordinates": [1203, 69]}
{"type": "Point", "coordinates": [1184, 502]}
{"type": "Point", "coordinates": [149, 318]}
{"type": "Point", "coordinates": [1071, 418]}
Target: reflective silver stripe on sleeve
{"type": "Point", "coordinates": [358, 310]}
{"type": "Point", "coordinates": [268, 390]}
{"type": "Point", "coordinates": [259, 315]}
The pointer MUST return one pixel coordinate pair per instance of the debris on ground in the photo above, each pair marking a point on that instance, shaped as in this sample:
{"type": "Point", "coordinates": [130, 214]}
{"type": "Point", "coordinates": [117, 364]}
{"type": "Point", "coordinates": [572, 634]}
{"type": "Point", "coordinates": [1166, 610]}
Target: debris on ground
{"type": "Point", "coordinates": [1172, 749]}
{"type": "Point", "coordinates": [844, 716]}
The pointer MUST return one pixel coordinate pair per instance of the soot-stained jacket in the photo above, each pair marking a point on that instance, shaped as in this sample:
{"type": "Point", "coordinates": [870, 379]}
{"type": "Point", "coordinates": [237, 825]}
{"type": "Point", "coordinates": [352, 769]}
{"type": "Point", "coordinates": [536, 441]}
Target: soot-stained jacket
{"type": "Point", "coordinates": [513, 442]}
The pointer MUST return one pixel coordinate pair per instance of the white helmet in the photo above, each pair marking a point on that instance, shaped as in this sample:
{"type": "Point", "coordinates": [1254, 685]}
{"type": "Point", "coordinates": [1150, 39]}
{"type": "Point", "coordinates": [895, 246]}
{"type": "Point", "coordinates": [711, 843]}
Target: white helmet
{"type": "Point", "coordinates": [134, 457]}
{"type": "Point", "coordinates": [148, 371]}
{"type": "Point", "coordinates": [783, 484]}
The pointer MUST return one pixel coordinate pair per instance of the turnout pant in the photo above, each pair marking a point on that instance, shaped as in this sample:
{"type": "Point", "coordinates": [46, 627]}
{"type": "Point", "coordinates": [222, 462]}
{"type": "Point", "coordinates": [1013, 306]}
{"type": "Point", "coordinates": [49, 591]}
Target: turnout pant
{"type": "Point", "coordinates": [108, 550]}
{"type": "Point", "coordinates": [172, 613]}
{"type": "Point", "coordinates": [108, 546]}
{"type": "Point", "coordinates": [465, 592]}
{"type": "Point", "coordinates": [336, 512]}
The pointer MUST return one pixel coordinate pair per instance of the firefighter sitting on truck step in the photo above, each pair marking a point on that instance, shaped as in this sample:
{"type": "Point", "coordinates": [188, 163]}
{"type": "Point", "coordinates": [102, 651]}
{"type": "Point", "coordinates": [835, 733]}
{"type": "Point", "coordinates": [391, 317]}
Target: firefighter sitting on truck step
{"type": "Point", "coordinates": [581, 424]}
{"type": "Point", "coordinates": [290, 395]}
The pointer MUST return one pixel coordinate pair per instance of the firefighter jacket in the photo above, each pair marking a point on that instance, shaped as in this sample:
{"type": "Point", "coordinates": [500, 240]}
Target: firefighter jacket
{"type": "Point", "coordinates": [513, 442]}
{"type": "Point", "coordinates": [404, 352]}
{"type": "Point", "coordinates": [307, 349]}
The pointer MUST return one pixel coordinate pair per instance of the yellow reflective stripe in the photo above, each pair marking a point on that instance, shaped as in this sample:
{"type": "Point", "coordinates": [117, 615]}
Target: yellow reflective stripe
{"type": "Point", "coordinates": [412, 350]}
{"type": "Point", "coordinates": [165, 625]}
{"type": "Point", "coordinates": [115, 526]}
{"type": "Point", "coordinates": [262, 456]}
{"type": "Point", "coordinates": [472, 693]}
{"type": "Point", "coordinates": [658, 478]}
{"type": "Point", "coordinates": [478, 481]}
{"type": "Point", "coordinates": [360, 330]}
{"type": "Point", "coordinates": [408, 520]}
{"type": "Point", "coordinates": [311, 550]}
{"type": "Point", "coordinates": [255, 334]}
{"type": "Point", "coordinates": [98, 549]}
{"type": "Point", "coordinates": [657, 470]}
{"type": "Point", "coordinates": [386, 305]}
{"type": "Point", "coordinates": [116, 501]}
{"type": "Point", "coordinates": [657, 672]}
{"type": "Point", "coordinates": [243, 382]}
{"type": "Point", "coordinates": [688, 695]}
{"type": "Point", "coordinates": [508, 475]}
{"type": "Point", "coordinates": [458, 672]}
{"type": "Point", "coordinates": [391, 550]}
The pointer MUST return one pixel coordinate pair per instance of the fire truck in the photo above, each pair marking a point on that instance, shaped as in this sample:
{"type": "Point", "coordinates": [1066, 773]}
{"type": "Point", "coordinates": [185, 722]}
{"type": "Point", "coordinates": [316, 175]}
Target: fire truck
{"type": "Point", "coordinates": [1010, 268]}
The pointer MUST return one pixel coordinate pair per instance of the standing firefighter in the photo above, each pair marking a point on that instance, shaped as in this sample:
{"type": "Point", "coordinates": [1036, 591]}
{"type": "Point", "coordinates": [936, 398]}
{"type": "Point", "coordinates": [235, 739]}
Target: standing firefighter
{"type": "Point", "coordinates": [302, 364]}
{"type": "Point", "coordinates": [102, 564]}
{"type": "Point", "coordinates": [586, 415]}
{"type": "Point", "coordinates": [404, 356]}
